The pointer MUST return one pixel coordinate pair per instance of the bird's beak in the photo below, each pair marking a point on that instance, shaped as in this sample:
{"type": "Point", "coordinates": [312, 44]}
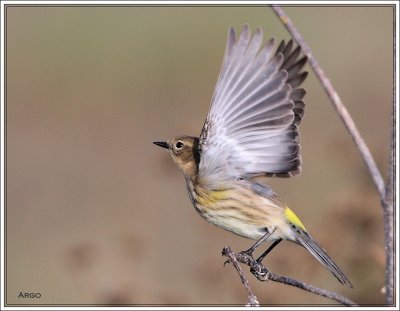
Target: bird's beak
{"type": "Point", "coordinates": [163, 144]}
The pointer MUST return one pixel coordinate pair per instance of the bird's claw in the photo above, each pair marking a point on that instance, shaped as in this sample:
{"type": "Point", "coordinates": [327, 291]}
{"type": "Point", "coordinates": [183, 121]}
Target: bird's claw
{"type": "Point", "coordinates": [260, 273]}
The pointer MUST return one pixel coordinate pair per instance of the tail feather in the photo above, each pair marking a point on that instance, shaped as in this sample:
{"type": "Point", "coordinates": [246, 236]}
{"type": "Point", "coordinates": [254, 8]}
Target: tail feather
{"type": "Point", "coordinates": [312, 246]}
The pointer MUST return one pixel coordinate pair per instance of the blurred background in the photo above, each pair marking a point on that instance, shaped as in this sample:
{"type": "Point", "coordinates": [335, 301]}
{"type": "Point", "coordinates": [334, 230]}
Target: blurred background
{"type": "Point", "coordinates": [96, 214]}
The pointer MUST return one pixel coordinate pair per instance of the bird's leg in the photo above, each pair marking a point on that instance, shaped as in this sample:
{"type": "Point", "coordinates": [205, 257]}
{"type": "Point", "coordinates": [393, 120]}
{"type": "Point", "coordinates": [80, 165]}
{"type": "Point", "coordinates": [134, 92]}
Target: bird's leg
{"type": "Point", "coordinates": [270, 248]}
{"type": "Point", "coordinates": [257, 244]}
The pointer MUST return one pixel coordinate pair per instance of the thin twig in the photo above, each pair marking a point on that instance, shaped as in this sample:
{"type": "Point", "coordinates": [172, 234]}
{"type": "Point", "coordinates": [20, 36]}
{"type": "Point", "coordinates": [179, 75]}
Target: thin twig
{"type": "Point", "coordinates": [388, 215]}
{"type": "Point", "coordinates": [252, 299]}
{"type": "Point", "coordinates": [385, 192]}
{"type": "Point", "coordinates": [335, 99]}
{"type": "Point", "coordinates": [263, 274]}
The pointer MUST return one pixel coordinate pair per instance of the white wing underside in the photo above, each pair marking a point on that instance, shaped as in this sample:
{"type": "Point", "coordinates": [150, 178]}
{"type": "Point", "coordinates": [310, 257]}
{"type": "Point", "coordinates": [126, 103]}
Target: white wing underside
{"type": "Point", "coordinates": [251, 128]}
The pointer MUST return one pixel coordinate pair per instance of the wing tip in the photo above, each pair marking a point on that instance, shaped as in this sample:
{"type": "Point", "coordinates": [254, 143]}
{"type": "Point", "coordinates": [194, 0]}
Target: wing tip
{"type": "Point", "coordinates": [231, 38]}
{"type": "Point", "coordinates": [245, 31]}
{"type": "Point", "coordinates": [231, 31]}
{"type": "Point", "coordinates": [258, 32]}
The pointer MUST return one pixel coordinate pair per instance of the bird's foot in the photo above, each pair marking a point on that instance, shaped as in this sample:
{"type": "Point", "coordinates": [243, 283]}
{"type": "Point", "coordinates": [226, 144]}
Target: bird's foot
{"type": "Point", "coordinates": [260, 272]}
{"type": "Point", "coordinates": [246, 253]}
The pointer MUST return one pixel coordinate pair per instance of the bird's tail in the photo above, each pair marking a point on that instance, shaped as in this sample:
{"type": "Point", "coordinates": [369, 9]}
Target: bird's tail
{"type": "Point", "coordinates": [304, 239]}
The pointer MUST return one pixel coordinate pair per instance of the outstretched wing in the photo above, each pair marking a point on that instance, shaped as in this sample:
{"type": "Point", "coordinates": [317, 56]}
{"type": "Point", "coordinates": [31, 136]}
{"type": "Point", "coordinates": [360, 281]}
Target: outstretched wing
{"type": "Point", "coordinates": [252, 126]}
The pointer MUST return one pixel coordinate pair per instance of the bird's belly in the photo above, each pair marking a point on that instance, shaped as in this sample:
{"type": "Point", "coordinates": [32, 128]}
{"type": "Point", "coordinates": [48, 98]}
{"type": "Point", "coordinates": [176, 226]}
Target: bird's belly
{"type": "Point", "coordinates": [240, 212]}
{"type": "Point", "coordinates": [233, 222]}
{"type": "Point", "coordinates": [241, 224]}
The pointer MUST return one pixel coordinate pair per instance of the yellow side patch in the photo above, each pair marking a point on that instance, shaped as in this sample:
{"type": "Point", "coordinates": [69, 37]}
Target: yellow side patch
{"type": "Point", "coordinates": [211, 197]}
{"type": "Point", "coordinates": [291, 216]}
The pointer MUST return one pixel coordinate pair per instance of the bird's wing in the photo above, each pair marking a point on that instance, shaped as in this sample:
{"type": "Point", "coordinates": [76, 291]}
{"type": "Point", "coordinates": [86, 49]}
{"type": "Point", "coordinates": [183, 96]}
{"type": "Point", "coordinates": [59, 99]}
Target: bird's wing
{"type": "Point", "coordinates": [252, 125]}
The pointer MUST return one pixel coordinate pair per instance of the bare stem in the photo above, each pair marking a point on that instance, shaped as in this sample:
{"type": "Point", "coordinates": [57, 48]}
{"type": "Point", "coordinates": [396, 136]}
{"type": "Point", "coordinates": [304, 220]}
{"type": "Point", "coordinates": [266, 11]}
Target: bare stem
{"type": "Point", "coordinates": [252, 299]}
{"type": "Point", "coordinates": [385, 192]}
{"type": "Point", "coordinates": [263, 274]}
{"type": "Point", "coordinates": [388, 217]}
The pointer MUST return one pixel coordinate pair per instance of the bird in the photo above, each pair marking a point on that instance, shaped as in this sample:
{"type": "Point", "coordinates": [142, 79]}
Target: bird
{"type": "Point", "coordinates": [251, 130]}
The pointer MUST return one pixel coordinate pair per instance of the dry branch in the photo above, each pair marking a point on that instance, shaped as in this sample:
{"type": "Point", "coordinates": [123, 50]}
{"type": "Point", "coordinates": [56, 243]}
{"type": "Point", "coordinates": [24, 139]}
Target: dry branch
{"type": "Point", "coordinates": [252, 299]}
{"type": "Point", "coordinates": [263, 274]}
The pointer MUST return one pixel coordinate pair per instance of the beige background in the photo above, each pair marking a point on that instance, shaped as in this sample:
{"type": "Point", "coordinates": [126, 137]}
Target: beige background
{"type": "Point", "coordinates": [97, 214]}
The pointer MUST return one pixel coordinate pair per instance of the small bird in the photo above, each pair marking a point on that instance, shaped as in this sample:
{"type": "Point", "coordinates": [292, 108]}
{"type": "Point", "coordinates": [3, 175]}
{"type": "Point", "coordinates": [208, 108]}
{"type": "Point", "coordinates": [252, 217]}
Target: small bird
{"type": "Point", "coordinates": [251, 130]}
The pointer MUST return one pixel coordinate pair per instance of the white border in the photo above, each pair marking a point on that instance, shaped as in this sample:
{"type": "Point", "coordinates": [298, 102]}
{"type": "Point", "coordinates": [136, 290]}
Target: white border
{"type": "Point", "coordinates": [238, 2]}
{"type": "Point", "coordinates": [2, 131]}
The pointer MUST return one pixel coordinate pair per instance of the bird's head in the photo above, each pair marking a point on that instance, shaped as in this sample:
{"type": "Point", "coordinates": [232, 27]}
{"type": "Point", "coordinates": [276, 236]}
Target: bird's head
{"type": "Point", "coordinates": [185, 152]}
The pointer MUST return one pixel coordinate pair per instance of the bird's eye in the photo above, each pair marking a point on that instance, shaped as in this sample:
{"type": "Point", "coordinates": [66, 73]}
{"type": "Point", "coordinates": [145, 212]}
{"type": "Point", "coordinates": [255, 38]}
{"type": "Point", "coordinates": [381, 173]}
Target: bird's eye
{"type": "Point", "coordinates": [179, 145]}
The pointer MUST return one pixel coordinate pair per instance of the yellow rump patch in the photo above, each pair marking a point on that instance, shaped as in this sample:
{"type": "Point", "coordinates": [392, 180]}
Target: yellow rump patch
{"type": "Point", "coordinates": [291, 216]}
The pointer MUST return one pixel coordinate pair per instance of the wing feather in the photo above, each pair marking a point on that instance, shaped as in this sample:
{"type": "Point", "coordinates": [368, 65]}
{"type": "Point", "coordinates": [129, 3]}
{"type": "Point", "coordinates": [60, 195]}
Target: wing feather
{"type": "Point", "coordinates": [252, 125]}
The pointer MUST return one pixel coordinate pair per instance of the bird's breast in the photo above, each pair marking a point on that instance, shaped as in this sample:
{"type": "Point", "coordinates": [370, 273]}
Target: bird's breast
{"type": "Point", "coordinates": [235, 208]}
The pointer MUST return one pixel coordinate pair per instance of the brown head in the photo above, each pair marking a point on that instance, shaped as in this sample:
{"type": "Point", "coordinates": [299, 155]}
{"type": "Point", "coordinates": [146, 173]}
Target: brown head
{"type": "Point", "coordinates": [185, 152]}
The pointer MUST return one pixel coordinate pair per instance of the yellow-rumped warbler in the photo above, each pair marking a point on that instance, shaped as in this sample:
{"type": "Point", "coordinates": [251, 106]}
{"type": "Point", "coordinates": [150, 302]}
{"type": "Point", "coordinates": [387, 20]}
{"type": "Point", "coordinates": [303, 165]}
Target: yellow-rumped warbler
{"type": "Point", "coordinates": [251, 130]}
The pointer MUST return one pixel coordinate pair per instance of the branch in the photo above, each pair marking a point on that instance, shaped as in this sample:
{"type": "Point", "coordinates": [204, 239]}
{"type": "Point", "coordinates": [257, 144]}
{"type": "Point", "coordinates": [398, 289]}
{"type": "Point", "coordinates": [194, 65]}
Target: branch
{"type": "Point", "coordinates": [385, 192]}
{"type": "Point", "coordinates": [263, 274]}
{"type": "Point", "coordinates": [253, 302]}
{"type": "Point", "coordinates": [388, 217]}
